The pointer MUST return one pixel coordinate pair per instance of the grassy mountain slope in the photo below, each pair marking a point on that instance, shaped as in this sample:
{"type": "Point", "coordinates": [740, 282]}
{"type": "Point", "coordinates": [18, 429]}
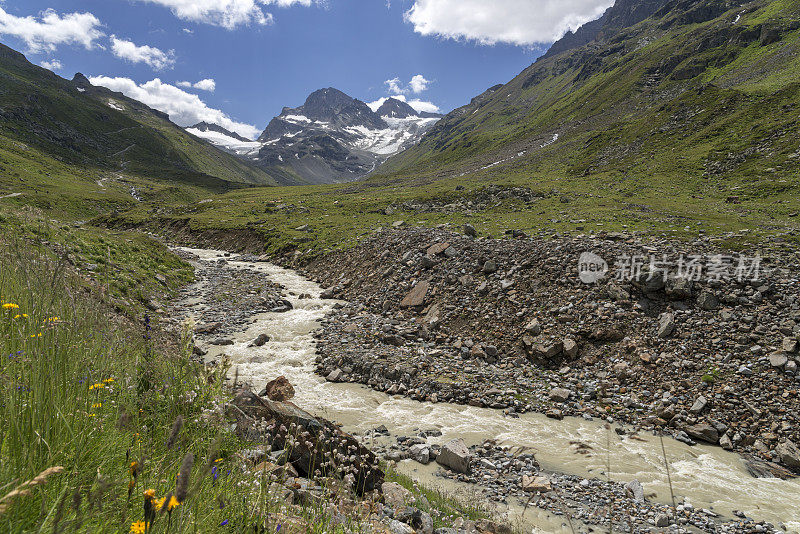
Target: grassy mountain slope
{"type": "Point", "coordinates": [701, 93]}
{"type": "Point", "coordinates": [78, 134]}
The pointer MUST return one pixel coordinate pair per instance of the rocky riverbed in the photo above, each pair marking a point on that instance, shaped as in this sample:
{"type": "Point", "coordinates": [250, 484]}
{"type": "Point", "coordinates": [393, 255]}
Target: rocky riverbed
{"type": "Point", "coordinates": [710, 356]}
{"type": "Point", "coordinates": [507, 475]}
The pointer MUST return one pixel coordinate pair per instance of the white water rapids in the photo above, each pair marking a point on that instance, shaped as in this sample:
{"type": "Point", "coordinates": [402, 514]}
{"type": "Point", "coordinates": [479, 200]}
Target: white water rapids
{"type": "Point", "coordinates": [707, 477]}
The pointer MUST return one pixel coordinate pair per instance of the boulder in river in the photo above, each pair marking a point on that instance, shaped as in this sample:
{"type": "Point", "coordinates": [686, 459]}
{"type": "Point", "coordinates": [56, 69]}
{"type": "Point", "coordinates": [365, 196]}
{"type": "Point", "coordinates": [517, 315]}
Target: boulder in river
{"type": "Point", "coordinates": [260, 341]}
{"type": "Point", "coordinates": [335, 376]}
{"type": "Point", "coordinates": [455, 455]}
{"type": "Point", "coordinates": [278, 390]}
{"type": "Point", "coordinates": [703, 432]}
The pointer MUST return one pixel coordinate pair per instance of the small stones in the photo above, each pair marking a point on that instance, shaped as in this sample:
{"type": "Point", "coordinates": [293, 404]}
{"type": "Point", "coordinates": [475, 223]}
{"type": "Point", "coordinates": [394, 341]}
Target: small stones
{"type": "Point", "coordinates": [470, 231]}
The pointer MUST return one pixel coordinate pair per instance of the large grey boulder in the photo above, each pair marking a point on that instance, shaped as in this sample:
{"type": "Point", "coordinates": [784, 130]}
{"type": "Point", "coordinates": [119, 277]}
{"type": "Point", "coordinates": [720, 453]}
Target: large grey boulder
{"type": "Point", "coordinates": [788, 453]}
{"type": "Point", "coordinates": [703, 432]}
{"type": "Point", "coordinates": [559, 395]}
{"type": "Point", "coordinates": [666, 325]}
{"type": "Point", "coordinates": [455, 455]}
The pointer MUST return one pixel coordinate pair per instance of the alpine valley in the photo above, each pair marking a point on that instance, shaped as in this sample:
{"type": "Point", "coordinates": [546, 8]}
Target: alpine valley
{"type": "Point", "coordinates": [569, 305]}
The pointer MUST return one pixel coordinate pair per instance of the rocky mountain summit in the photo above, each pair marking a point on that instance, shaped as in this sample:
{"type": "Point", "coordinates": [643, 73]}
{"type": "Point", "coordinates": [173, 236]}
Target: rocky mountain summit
{"type": "Point", "coordinates": [623, 14]}
{"type": "Point", "coordinates": [332, 137]}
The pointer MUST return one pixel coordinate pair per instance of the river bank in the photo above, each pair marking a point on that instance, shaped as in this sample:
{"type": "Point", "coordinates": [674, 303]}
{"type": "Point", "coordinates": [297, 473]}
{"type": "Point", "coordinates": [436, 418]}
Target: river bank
{"type": "Point", "coordinates": [701, 474]}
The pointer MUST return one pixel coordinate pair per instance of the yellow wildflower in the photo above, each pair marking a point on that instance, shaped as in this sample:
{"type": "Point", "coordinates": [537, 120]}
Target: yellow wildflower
{"type": "Point", "coordinates": [96, 386]}
{"type": "Point", "coordinates": [108, 380]}
{"type": "Point", "coordinates": [21, 316]}
{"type": "Point", "coordinates": [149, 493]}
{"type": "Point", "coordinates": [159, 503]}
{"type": "Point", "coordinates": [138, 527]}
{"type": "Point", "coordinates": [10, 306]}
{"type": "Point", "coordinates": [173, 503]}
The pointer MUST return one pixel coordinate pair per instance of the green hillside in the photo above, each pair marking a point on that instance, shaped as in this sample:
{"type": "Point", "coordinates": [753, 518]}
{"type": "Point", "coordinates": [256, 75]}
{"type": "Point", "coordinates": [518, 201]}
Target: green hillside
{"type": "Point", "coordinates": [704, 92]}
{"type": "Point", "coordinates": [62, 142]}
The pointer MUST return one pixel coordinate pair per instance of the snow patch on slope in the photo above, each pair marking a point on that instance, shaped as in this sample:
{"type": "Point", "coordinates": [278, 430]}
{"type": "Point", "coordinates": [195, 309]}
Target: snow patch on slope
{"type": "Point", "coordinates": [221, 140]}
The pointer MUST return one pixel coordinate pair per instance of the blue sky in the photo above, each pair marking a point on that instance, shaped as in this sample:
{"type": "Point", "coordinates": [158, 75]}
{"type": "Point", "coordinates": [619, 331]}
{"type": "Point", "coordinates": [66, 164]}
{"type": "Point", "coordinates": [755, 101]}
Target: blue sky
{"type": "Point", "coordinates": [266, 54]}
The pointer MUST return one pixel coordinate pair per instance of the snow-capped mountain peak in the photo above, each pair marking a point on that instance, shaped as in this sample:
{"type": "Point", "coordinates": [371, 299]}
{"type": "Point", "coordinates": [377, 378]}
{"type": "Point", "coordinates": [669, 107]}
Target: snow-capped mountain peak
{"type": "Point", "coordinates": [332, 137]}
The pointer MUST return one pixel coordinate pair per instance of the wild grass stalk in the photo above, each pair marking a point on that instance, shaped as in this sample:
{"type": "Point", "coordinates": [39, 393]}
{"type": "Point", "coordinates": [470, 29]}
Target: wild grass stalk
{"type": "Point", "coordinates": [666, 468]}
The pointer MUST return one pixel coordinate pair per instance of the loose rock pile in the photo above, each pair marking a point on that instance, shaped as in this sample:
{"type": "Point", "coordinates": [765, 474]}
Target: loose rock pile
{"type": "Point", "coordinates": [507, 323]}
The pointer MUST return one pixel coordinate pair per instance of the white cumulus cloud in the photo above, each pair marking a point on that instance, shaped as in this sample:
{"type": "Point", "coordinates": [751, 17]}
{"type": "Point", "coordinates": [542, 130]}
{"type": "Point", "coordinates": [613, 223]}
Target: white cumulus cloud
{"type": "Point", "coordinates": [518, 22]}
{"type": "Point", "coordinates": [394, 86]}
{"type": "Point", "coordinates": [418, 84]}
{"type": "Point", "coordinates": [184, 109]}
{"type": "Point", "coordinates": [419, 105]}
{"type": "Point", "coordinates": [52, 64]}
{"type": "Point", "coordinates": [155, 57]}
{"type": "Point", "coordinates": [226, 13]}
{"type": "Point", "coordinates": [50, 29]}
{"type": "Point", "coordinates": [204, 85]}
